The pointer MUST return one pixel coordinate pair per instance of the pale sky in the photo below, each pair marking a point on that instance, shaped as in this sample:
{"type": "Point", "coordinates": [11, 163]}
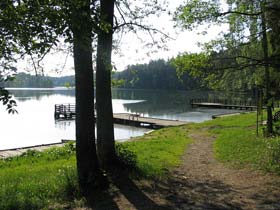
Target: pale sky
{"type": "Point", "coordinates": [131, 51]}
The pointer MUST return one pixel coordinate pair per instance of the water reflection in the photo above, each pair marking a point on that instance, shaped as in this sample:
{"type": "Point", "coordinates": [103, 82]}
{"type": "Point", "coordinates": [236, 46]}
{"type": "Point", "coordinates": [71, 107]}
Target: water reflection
{"type": "Point", "coordinates": [162, 103]}
{"type": "Point", "coordinates": [64, 124]}
{"type": "Point", "coordinates": [121, 132]}
{"type": "Point", "coordinates": [25, 94]}
{"type": "Point", "coordinates": [35, 122]}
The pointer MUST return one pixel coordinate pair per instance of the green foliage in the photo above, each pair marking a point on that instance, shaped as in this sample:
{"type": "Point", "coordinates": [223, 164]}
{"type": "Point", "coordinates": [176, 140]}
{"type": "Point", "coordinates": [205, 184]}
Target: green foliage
{"type": "Point", "coordinates": [68, 177]}
{"type": "Point", "coordinates": [157, 74]}
{"type": "Point", "coordinates": [195, 13]}
{"type": "Point", "coordinates": [236, 59]}
{"type": "Point", "coordinates": [7, 101]}
{"type": "Point", "coordinates": [5, 96]}
{"type": "Point", "coordinates": [196, 64]}
{"type": "Point", "coordinates": [27, 80]}
{"type": "Point", "coordinates": [272, 155]}
{"type": "Point", "coordinates": [65, 81]}
{"type": "Point", "coordinates": [117, 82]}
{"type": "Point", "coordinates": [22, 80]}
{"type": "Point", "coordinates": [126, 157]}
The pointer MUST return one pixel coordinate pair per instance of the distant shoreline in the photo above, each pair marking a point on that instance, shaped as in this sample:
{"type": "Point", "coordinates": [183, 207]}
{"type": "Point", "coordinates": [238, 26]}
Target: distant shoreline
{"type": "Point", "coordinates": [33, 88]}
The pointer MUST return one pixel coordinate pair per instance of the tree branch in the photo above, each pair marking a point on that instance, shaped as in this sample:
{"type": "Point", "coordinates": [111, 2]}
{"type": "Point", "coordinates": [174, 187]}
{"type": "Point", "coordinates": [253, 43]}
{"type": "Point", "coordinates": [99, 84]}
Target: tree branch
{"type": "Point", "coordinates": [238, 13]}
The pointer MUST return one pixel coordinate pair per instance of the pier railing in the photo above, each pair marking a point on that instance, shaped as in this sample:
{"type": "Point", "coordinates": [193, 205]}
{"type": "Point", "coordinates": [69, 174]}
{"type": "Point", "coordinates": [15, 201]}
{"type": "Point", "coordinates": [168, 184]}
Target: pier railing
{"type": "Point", "coordinates": [66, 111]}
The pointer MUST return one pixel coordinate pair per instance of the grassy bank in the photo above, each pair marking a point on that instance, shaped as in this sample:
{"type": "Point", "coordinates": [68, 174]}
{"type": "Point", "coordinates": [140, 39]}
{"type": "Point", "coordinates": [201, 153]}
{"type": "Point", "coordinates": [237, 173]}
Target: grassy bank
{"type": "Point", "coordinates": [159, 151]}
{"type": "Point", "coordinates": [40, 180]}
{"type": "Point", "coordinates": [236, 143]}
{"type": "Point", "coordinates": [37, 179]}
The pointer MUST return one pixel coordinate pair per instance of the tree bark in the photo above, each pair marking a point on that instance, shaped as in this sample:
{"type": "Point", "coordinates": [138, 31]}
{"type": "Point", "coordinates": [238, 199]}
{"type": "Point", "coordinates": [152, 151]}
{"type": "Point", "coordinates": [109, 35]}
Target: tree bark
{"type": "Point", "coordinates": [87, 162]}
{"type": "Point", "coordinates": [268, 100]}
{"type": "Point", "coordinates": [105, 126]}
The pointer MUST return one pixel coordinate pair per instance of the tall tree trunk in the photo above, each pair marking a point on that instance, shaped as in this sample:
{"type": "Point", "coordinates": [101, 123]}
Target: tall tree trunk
{"type": "Point", "coordinates": [105, 126]}
{"type": "Point", "coordinates": [268, 100]}
{"type": "Point", "coordinates": [87, 162]}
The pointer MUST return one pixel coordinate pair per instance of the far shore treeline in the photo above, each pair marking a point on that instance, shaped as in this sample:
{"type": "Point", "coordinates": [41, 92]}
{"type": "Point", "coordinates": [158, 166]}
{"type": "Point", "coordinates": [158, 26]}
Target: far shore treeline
{"type": "Point", "coordinates": [24, 80]}
{"type": "Point", "coordinates": [158, 74]}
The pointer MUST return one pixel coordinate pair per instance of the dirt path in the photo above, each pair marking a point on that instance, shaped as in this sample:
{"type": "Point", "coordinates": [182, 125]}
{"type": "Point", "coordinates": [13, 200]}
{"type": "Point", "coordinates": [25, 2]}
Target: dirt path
{"type": "Point", "coordinates": [204, 183]}
{"type": "Point", "coordinates": [200, 183]}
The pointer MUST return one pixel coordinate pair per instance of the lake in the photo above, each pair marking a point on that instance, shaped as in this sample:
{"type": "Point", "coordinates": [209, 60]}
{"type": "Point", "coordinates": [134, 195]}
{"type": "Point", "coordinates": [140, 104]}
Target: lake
{"type": "Point", "coordinates": [35, 124]}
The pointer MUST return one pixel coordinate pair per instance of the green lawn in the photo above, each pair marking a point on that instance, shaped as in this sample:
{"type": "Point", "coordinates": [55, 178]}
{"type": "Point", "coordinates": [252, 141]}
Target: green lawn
{"type": "Point", "coordinates": [237, 143]}
{"type": "Point", "coordinates": [159, 151]}
{"type": "Point", "coordinates": [38, 180]}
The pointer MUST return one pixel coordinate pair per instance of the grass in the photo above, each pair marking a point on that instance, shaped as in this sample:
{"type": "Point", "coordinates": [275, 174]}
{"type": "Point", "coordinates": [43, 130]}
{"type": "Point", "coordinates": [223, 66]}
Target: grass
{"type": "Point", "coordinates": [159, 151]}
{"type": "Point", "coordinates": [237, 143]}
{"type": "Point", "coordinates": [39, 180]}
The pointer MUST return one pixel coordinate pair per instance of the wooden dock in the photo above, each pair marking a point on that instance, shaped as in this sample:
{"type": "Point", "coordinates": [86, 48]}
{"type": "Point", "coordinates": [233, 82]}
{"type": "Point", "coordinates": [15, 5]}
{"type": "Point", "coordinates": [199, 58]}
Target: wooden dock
{"type": "Point", "coordinates": [19, 151]}
{"type": "Point", "coordinates": [67, 112]}
{"type": "Point", "coordinates": [224, 104]}
{"type": "Point", "coordinates": [148, 122]}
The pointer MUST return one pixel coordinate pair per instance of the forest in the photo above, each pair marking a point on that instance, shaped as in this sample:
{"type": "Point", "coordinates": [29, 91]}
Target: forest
{"type": "Point", "coordinates": [158, 74]}
{"type": "Point", "coordinates": [24, 80]}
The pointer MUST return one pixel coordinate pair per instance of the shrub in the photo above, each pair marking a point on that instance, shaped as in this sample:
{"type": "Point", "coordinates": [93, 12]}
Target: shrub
{"type": "Point", "coordinates": [126, 157]}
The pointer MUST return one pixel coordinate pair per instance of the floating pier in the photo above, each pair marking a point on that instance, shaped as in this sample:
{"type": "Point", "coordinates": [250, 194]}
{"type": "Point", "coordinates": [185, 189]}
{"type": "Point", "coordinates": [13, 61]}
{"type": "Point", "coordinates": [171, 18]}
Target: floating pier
{"type": "Point", "coordinates": [224, 104]}
{"type": "Point", "coordinates": [67, 112]}
{"type": "Point", "coordinates": [148, 122]}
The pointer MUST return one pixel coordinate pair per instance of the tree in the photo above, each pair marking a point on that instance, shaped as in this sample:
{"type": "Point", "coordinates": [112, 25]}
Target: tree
{"type": "Point", "coordinates": [32, 28]}
{"type": "Point", "coordinates": [130, 18]}
{"type": "Point", "coordinates": [245, 45]}
{"type": "Point", "coordinates": [87, 162]}
{"type": "Point", "coordinates": [41, 23]}
{"type": "Point", "coordinates": [105, 127]}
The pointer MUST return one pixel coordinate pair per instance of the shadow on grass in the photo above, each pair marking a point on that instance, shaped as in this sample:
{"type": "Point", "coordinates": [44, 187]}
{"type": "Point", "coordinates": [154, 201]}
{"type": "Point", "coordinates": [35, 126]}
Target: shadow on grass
{"type": "Point", "coordinates": [134, 194]}
{"type": "Point", "coordinates": [126, 192]}
{"type": "Point", "coordinates": [183, 193]}
{"type": "Point", "coordinates": [180, 192]}
{"type": "Point", "coordinates": [102, 200]}
{"type": "Point", "coordinates": [268, 198]}
{"type": "Point", "coordinates": [177, 193]}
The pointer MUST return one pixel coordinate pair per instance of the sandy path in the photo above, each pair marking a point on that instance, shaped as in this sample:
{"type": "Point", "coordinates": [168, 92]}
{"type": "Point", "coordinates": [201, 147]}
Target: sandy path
{"type": "Point", "coordinates": [201, 182]}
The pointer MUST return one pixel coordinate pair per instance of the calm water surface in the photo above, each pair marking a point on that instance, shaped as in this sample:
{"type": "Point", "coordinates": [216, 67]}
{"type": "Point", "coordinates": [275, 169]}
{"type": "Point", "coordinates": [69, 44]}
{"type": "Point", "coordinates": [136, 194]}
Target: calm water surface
{"type": "Point", "coordinates": [35, 124]}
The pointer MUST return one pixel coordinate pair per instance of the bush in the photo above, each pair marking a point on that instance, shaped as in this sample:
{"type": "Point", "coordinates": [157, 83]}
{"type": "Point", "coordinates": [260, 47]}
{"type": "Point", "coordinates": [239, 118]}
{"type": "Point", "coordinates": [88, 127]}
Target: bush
{"type": "Point", "coordinates": [126, 157]}
{"type": "Point", "coordinates": [272, 154]}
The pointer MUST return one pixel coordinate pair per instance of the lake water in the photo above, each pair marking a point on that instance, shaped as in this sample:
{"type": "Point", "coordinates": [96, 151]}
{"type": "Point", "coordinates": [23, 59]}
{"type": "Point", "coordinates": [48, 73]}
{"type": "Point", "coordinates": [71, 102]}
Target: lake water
{"type": "Point", "coordinates": [35, 124]}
